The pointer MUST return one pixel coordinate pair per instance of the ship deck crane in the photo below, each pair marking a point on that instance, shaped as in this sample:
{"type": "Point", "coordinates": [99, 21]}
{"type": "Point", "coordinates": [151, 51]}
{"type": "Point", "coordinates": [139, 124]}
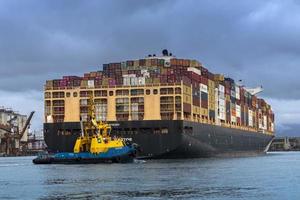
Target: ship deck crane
{"type": "Point", "coordinates": [254, 91]}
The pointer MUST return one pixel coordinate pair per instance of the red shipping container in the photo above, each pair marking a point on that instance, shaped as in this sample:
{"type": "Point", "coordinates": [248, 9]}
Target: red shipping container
{"type": "Point", "coordinates": [204, 104]}
{"type": "Point", "coordinates": [186, 80]}
{"type": "Point", "coordinates": [179, 62]}
{"type": "Point", "coordinates": [142, 62]}
{"type": "Point", "coordinates": [211, 76]}
{"type": "Point", "coordinates": [170, 71]}
{"type": "Point", "coordinates": [238, 119]}
{"type": "Point", "coordinates": [173, 62]}
{"type": "Point", "coordinates": [204, 80]}
{"type": "Point", "coordinates": [196, 101]}
{"type": "Point", "coordinates": [196, 84]}
{"type": "Point", "coordinates": [154, 62]}
{"type": "Point", "coordinates": [227, 90]}
{"type": "Point", "coordinates": [111, 82]}
{"type": "Point", "coordinates": [186, 63]}
{"type": "Point", "coordinates": [187, 107]}
{"type": "Point", "coordinates": [129, 63]}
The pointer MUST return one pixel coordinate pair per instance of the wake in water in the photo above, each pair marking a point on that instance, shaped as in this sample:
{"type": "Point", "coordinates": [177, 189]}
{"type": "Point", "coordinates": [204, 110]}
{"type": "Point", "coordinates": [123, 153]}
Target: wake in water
{"type": "Point", "coordinates": [137, 161]}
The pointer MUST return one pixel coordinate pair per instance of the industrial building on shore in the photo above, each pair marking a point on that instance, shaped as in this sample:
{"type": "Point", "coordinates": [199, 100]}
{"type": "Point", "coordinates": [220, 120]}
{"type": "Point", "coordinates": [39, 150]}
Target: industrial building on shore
{"type": "Point", "coordinates": [13, 131]}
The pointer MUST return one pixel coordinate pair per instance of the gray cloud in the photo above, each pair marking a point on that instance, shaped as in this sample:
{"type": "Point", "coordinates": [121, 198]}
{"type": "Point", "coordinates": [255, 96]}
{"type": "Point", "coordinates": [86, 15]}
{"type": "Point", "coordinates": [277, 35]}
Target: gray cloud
{"type": "Point", "coordinates": [256, 41]}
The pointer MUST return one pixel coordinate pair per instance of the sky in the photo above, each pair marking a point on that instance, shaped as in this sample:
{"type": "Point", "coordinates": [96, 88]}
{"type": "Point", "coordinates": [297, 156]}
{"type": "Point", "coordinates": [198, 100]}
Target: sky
{"type": "Point", "coordinates": [256, 41]}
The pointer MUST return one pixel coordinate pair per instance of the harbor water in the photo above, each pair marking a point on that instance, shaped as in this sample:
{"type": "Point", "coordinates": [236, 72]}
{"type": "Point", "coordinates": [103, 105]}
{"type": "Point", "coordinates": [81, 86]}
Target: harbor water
{"type": "Point", "coordinates": [270, 176]}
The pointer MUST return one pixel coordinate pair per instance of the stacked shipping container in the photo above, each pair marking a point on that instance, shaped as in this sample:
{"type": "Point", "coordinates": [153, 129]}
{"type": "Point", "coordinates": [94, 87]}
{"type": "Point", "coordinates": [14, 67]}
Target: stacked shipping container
{"type": "Point", "coordinates": [206, 97]}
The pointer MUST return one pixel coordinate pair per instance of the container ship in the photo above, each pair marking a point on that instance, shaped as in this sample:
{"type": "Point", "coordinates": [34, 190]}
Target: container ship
{"type": "Point", "coordinates": [171, 107]}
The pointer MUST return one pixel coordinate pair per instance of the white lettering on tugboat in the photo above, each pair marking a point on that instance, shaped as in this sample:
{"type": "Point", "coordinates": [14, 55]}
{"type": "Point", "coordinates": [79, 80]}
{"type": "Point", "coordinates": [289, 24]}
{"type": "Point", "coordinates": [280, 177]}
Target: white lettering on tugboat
{"type": "Point", "coordinates": [127, 139]}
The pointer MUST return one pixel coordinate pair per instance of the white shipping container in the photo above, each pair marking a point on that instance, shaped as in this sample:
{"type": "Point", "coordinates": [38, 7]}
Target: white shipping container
{"type": "Point", "coordinates": [265, 122]}
{"type": "Point", "coordinates": [167, 61]}
{"type": "Point", "coordinates": [233, 119]}
{"type": "Point", "coordinates": [91, 83]}
{"type": "Point", "coordinates": [222, 109]}
{"type": "Point", "coordinates": [217, 106]}
{"type": "Point", "coordinates": [260, 125]}
{"type": "Point", "coordinates": [129, 75]}
{"type": "Point", "coordinates": [272, 127]}
{"type": "Point", "coordinates": [141, 80]}
{"type": "Point", "coordinates": [195, 70]}
{"type": "Point", "coordinates": [126, 81]}
{"type": "Point", "coordinates": [146, 75]}
{"type": "Point", "coordinates": [221, 102]}
{"type": "Point", "coordinates": [83, 102]}
{"type": "Point", "coordinates": [238, 110]}
{"type": "Point", "coordinates": [100, 108]}
{"type": "Point", "coordinates": [222, 116]}
{"type": "Point", "coordinates": [133, 81]}
{"type": "Point", "coordinates": [221, 88]}
{"type": "Point", "coordinates": [203, 88]}
{"type": "Point", "coordinates": [250, 117]}
{"type": "Point", "coordinates": [134, 107]}
{"type": "Point", "coordinates": [221, 96]}
{"type": "Point", "coordinates": [237, 92]}
{"type": "Point", "coordinates": [144, 71]}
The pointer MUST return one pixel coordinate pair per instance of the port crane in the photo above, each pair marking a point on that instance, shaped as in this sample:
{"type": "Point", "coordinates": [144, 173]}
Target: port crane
{"type": "Point", "coordinates": [13, 134]}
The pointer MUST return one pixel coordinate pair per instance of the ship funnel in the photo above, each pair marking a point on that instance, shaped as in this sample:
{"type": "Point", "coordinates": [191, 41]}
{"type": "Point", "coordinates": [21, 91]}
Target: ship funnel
{"type": "Point", "coordinates": [165, 52]}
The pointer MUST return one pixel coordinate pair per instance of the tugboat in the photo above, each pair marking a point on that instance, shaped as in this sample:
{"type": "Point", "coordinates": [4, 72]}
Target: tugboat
{"type": "Point", "coordinates": [95, 145]}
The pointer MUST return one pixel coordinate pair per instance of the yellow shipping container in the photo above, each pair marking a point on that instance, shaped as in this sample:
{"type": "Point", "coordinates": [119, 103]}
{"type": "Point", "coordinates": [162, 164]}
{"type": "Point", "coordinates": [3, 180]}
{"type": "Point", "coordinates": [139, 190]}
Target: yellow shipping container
{"type": "Point", "coordinates": [156, 80]}
{"type": "Point", "coordinates": [195, 63]}
{"type": "Point", "coordinates": [219, 77]}
{"type": "Point", "coordinates": [105, 81]}
{"type": "Point", "coordinates": [187, 90]}
{"type": "Point", "coordinates": [187, 98]}
{"type": "Point", "coordinates": [49, 83]}
{"type": "Point", "coordinates": [163, 70]}
{"type": "Point", "coordinates": [227, 97]}
{"type": "Point", "coordinates": [148, 62]}
{"type": "Point", "coordinates": [204, 111]}
{"type": "Point", "coordinates": [196, 110]}
{"type": "Point", "coordinates": [211, 84]}
{"type": "Point", "coordinates": [136, 63]}
{"type": "Point", "coordinates": [84, 83]}
{"type": "Point", "coordinates": [211, 105]}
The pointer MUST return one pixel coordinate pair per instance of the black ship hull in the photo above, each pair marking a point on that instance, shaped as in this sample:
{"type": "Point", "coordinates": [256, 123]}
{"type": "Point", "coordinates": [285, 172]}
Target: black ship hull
{"type": "Point", "coordinates": [167, 138]}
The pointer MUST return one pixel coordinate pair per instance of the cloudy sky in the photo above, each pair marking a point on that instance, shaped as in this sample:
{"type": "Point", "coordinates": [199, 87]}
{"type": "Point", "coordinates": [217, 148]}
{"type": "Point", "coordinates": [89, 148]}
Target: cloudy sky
{"type": "Point", "coordinates": [256, 41]}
